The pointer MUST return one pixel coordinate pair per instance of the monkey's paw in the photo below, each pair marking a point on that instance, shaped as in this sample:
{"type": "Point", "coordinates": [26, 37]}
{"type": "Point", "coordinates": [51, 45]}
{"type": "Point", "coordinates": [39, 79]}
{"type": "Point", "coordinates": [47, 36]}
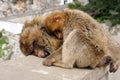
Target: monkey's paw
{"type": "Point", "coordinates": [114, 66]}
{"type": "Point", "coordinates": [107, 60]}
{"type": "Point", "coordinates": [48, 62]}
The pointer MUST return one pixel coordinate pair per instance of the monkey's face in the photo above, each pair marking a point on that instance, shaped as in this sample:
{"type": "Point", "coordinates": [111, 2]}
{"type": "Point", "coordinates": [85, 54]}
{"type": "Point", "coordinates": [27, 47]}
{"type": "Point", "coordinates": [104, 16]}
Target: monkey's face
{"type": "Point", "coordinates": [31, 40]}
{"type": "Point", "coordinates": [40, 49]}
{"type": "Point", "coordinates": [41, 43]}
{"type": "Point", "coordinates": [35, 49]}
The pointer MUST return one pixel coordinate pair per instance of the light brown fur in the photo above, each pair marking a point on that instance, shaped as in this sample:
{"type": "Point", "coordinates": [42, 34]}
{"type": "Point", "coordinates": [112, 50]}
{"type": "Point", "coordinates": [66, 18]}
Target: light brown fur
{"type": "Point", "coordinates": [35, 40]}
{"type": "Point", "coordinates": [85, 31]}
{"type": "Point", "coordinates": [81, 55]}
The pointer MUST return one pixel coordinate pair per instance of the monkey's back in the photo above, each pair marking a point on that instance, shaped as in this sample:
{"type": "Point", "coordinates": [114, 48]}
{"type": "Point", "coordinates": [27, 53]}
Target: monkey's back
{"type": "Point", "coordinates": [89, 27]}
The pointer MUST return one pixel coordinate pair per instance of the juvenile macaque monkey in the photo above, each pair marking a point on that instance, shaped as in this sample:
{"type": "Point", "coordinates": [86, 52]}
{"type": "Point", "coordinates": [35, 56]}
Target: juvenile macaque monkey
{"type": "Point", "coordinates": [34, 39]}
{"type": "Point", "coordinates": [86, 42]}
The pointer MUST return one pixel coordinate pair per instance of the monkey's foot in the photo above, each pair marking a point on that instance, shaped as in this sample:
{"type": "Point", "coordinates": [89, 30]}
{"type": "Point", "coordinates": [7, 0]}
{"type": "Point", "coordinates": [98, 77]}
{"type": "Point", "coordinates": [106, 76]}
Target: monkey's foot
{"type": "Point", "coordinates": [114, 66]}
{"type": "Point", "coordinates": [107, 60]}
{"type": "Point", "coordinates": [49, 61]}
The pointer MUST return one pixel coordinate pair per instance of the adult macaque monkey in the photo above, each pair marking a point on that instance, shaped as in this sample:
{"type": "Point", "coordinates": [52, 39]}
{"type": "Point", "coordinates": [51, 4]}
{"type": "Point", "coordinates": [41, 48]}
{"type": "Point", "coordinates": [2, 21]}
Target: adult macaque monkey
{"type": "Point", "coordinates": [86, 33]}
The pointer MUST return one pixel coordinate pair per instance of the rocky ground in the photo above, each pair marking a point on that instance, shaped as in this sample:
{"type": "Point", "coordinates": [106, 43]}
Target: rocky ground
{"type": "Point", "coordinates": [8, 8]}
{"type": "Point", "coordinates": [12, 49]}
{"type": "Point", "coordinates": [11, 8]}
{"type": "Point", "coordinates": [31, 68]}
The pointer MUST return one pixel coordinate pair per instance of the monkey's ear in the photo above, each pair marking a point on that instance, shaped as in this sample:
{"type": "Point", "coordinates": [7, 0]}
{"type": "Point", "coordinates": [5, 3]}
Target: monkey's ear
{"type": "Point", "coordinates": [57, 18]}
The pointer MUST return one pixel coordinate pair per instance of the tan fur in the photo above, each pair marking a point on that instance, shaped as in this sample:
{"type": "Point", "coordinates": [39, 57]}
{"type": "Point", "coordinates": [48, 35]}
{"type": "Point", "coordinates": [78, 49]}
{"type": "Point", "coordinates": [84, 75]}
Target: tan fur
{"type": "Point", "coordinates": [81, 55]}
{"type": "Point", "coordinates": [91, 34]}
{"type": "Point", "coordinates": [32, 33]}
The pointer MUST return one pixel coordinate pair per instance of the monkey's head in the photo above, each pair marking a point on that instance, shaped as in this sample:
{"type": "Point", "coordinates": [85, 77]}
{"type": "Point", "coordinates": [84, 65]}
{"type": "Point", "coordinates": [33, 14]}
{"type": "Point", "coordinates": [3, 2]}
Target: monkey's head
{"type": "Point", "coordinates": [32, 40]}
{"type": "Point", "coordinates": [54, 23]}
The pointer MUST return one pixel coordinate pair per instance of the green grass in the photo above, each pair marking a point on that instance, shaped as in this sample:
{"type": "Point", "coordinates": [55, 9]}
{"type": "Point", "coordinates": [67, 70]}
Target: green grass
{"type": "Point", "coordinates": [2, 42]}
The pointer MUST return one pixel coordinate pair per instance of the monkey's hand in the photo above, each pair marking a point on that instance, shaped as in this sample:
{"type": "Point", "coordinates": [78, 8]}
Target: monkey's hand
{"type": "Point", "coordinates": [49, 61]}
{"type": "Point", "coordinates": [57, 55]}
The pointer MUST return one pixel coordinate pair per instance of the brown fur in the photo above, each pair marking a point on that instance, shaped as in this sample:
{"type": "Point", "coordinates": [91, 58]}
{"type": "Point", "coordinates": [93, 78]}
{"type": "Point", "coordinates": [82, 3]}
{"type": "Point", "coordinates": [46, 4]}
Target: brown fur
{"type": "Point", "coordinates": [86, 32]}
{"type": "Point", "coordinates": [84, 55]}
{"type": "Point", "coordinates": [34, 40]}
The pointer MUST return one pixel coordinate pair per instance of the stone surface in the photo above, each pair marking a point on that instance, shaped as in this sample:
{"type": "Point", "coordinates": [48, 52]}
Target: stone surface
{"type": "Point", "coordinates": [10, 49]}
{"type": "Point", "coordinates": [115, 76]}
{"type": "Point", "coordinates": [11, 8]}
{"type": "Point", "coordinates": [14, 28]}
{"type": "Point", "coordinates": [31, 68]}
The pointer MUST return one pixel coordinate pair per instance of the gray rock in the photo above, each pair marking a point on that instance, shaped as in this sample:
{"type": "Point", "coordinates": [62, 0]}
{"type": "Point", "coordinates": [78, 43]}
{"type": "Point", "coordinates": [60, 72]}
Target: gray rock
{"type": "Point", "coordinates": [31, 68]}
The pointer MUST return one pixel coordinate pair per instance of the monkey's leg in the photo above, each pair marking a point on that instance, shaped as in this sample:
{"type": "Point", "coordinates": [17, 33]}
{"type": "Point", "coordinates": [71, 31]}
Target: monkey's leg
{"type": "Point", "coordinates": [68, 55]}
{"type": "Point", "coordinates": [68, 63]}
{"type": "Point", "coordinates": [70, 50]}
{"type": "Point", "coordinates": [114, 66]}
{"type": "Point", "coordinates": [53, 57]}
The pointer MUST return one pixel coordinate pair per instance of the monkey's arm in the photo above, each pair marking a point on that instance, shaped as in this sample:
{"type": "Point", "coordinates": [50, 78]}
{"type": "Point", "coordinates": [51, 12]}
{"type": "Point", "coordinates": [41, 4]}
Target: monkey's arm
{"type": "Point", "coordinates": [57, 55]}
